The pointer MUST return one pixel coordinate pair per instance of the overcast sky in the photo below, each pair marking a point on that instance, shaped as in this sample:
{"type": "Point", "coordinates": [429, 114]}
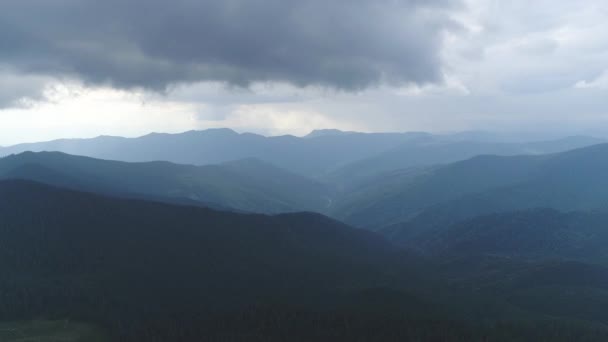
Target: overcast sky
{"type": "Point", "coordinates": [82, 68]}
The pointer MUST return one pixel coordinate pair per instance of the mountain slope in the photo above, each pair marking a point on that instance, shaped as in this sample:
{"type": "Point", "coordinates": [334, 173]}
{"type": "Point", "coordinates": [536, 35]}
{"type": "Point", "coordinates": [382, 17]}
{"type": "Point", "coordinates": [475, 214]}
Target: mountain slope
{"type": "Point", "coordinates": [532, 233]}
{"type": "Point", "coordinates": [443, 151]}
{"type": "Point", "coordinates": [540, 260]}
{"type": "Point", "coordinates": [573, 180]}
{"type": "Point", "coordinates": [400, 196]}
{"type": "Point", "coordinates": [439, 196]}
{"type": "Point", "coordinates": [163, 269]}
{"type": "Point", "coordinates": [151, 271]}
{"type": "Point", "coordinates": [247, 185]}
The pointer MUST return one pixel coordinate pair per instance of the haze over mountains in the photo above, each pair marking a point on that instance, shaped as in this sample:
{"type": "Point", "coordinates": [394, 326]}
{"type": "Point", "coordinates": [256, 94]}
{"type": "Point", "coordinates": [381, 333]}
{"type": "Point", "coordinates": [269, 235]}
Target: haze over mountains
{"type": "Point", "coordinates": [316, 155]}
{"type": "Point", "coordinates": [342, 174]}
{"type": "Point", "coordinates": [434, 229]}
{"type": "Point", "coordinates": [396, 185]}
{"type": "Point", "coordinates": [309, 156]}
{"type": "Point", "coordinates": [246, 185]}
{"type": "Point", "coordinates": [572, 180]}
{"type": "Point", "coordinates": [347, 171]}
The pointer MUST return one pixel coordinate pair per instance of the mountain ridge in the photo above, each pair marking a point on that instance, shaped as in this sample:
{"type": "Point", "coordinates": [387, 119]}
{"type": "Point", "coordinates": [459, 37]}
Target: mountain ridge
{"type": "Point", "coordinates": [246, 185]}
{"type": "Point", "coordinates": [319, 156]}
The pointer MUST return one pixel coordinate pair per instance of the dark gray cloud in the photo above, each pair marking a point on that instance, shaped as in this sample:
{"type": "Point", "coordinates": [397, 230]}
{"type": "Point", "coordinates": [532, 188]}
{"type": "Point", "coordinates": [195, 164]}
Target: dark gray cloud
{"type": "Point", "coordinates": [344, 44]}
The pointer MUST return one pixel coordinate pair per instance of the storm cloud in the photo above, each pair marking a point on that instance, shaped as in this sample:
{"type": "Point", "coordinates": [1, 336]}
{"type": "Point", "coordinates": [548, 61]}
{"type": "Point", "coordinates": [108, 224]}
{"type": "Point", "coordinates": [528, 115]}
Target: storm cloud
{"type": "Point", "coordinates": [153, 44]}
{"type": "Point", "coordinates": [80, 68]}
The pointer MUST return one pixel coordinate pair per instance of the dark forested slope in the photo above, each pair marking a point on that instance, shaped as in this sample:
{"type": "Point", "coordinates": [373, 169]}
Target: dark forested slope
{"type": "Point", "coordinates": [145, 271]}
{"type": "Point", "coordinates": [119, 263]}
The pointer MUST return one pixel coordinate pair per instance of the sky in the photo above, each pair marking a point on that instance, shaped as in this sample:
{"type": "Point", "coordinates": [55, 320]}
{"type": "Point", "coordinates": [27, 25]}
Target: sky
{"type": "Point", "coordinates": [83, 68]}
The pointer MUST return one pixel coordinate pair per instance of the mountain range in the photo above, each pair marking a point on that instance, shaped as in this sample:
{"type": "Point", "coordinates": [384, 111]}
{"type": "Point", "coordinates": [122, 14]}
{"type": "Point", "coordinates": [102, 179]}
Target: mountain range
{"type": "Point", "coordinates": [567, 181]}
{"type": "Point", "coordinates": [244, 185]}
{"type": "Point", "coordinates": [423, 197]}
{"type": "Point", "coordinates": [176, 270]}
{"type": "Point", "coordinates": [321, 154]}
{"type": "Point", "coordinates": [414, 237]}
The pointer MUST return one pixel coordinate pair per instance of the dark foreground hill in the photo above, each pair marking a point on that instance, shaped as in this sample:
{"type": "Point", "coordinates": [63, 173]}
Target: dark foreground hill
{"type": "Point", "coordinates": [47, 230]}
{"type": "Point", "coordinates": [147, 271]}
{"type": "Point", "coordinates": [122, 263]}
{"type": "Point", "coordinates": [540, 260]}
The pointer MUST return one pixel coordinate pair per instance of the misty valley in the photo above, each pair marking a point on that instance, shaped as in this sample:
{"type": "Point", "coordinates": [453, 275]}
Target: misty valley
{"type": "Point", "coordinates": [335, 236]}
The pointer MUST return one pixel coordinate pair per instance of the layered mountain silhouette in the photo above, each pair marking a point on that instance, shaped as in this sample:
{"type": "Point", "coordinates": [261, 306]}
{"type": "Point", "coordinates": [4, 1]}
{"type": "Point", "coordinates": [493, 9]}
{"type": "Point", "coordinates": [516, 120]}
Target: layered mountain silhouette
{"type": "Point", "coordinates": [444, 150]}
{"type": "Point", "coordinates": [308, 156]}
{"type": "Point", "coordinates": [506, 245]}
{"type": "Point", "coordinates": [315, 156]}
{"type": "Point", "coordinates": [398, 202]}
{"type": "Point", "coordinates": [572, 180]}
{"type": "Point", "coordinates": [245, 185]}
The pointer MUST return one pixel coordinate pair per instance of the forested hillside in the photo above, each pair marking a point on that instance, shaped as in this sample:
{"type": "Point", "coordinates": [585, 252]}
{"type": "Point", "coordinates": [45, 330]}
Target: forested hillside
{"type": "Point", "coordinates": [149, 271]}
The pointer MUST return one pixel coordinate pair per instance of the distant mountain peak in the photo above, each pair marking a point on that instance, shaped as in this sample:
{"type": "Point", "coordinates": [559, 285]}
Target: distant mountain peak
{"type": "Point", "coordinates": [327, 132]}
{"type": "Point", "coordinates": [214, 131]}
{"type": "Point", "coordinates": [218, 131]}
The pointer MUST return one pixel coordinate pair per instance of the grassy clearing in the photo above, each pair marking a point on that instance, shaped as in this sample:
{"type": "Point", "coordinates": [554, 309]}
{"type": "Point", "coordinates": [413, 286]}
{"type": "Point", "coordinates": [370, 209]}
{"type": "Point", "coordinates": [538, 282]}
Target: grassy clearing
{"type": "Point", "coordinates": [49, 331]}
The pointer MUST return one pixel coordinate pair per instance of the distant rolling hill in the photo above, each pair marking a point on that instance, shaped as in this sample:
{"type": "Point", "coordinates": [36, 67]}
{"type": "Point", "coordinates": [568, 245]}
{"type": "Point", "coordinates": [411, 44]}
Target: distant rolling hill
{"type": "Point", "coordinates": [310, 156]}
{"type": "Point", "coordinates": [245, 185]}
{"type": "Point", "coordinates": [438, 196]}
{"type": "Point", "coordinates": [566, 181]}
{"type": "Point", "coordinates": [443, 151]}
{"type": "Point", "coordinates": [338, 157]}
{"type": "Point", "coordinates": [399, 202]}
{"type": "Point", "coordinates": [402, 195]}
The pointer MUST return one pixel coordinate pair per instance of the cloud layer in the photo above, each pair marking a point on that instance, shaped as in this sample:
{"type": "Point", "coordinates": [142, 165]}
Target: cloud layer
{"type": "Point", "coordinates": [343, 44]}
{"type": "Point", "coordinates": [372, 65]}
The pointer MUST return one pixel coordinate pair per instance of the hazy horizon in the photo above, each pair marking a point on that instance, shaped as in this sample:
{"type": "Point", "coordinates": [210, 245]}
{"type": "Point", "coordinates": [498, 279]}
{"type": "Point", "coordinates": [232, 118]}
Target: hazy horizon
{"type": "Point", "coordinates": [505, 136]}
{"type": "Point", "coordinates": [81, 69]}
